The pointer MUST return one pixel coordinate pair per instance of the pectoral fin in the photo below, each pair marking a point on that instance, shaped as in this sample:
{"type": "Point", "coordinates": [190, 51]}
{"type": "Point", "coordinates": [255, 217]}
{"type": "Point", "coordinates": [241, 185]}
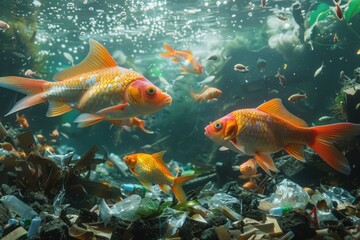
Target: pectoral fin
{"type": "Point", "coordinates": [115, 108]}
{"type": "Point", "coordinates": [86, 119]}
{"type": "Point", "coordinates": [237, 145]}
{"type": "Point", "coordinates": [147, 185]}
{"type": "Point", "coordinates": [266, 163]}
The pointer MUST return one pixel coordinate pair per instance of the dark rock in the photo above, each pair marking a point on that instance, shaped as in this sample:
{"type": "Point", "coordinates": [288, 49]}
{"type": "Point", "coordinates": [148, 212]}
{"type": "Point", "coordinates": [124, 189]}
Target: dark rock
{"type": "Point", "coordinates": [299, 222]}
{"type": "Point", "coordinates": [86, 216]}
{"type": "Point", "coordinates": [38, 197]}
{"type": "Point", "coordinates": [216, 219]}
{"type": "Point", "coordinates": [119, 230]}
{"type": "Point", "coordinates": [42, 207]}
{"type": "Point", "coordinates": [153, 228]}
{"type": "Point", "coordinates": [4, 214]}
{"type": "Point", "coordinates": [55, 229]}
{"type": "Point", "coordinates": [7, 190]}
{"type": "Point", "coordinates": [209, 234]}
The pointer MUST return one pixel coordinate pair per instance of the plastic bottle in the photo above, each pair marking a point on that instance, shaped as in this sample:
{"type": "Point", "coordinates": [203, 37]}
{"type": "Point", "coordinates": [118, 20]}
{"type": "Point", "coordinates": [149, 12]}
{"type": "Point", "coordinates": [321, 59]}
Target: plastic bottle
{"type": "Point", "coordinates": [129, 189]}
{"type": "Point", "coordinates": [17, 206]}
{"type": "Point", "coordinates": [279, 211]}
{"type": "Point", "coordinates": [34, 227]}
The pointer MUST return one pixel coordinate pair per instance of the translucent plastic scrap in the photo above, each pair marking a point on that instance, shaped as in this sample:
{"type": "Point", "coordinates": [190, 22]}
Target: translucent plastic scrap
{"type": "Point", "coordinates": [221, 199]}
{"type": "Point", "coordinates": [288, 193]}
{"type": "Point", "coordinates": [127, 208]}
{"type": "Point", "coordinates": [175, 220]}
{"type": "Point", "coordinates": [340, 195]}
{"type": "Point", "coordinates": [18, 207]}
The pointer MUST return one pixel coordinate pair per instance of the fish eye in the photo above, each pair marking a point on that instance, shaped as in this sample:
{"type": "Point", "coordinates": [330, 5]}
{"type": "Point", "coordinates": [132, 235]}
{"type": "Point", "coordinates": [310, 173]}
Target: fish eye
{"type": "Point", "coordinates": [218, 125]}
{"type": "Point", "coordinates": [150, 90]}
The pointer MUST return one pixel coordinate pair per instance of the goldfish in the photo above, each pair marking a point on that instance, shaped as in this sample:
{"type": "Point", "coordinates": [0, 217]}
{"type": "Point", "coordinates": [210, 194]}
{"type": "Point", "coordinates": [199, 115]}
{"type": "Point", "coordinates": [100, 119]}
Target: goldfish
{"type": "Point", "coordinates": [188, 63]}
{"type": "Point", "coordinates": [297, 97]}
{"type": "Point", "coordinates": [132, 122]}
{"type": "Point", "coordinates": [338, 11]}
{"type": "Point", "coordinates": [97, 87]}
{"type": "Point", "coordinates": [335, 37]}
{"type": "Point", "coordinates": [269, 128]}
{"type": "Point", "coordinates": [22, 121]}
{"type": "Point", "coordinates": [318, 71]}
{"type": "Point", "coordinates": [358, 52]}
{"type": "Point", "coordinates": [281, 78]}
{"type": "Point", "coordinates": [150, 168]}
{"type": "Point", "coordinates": [248, 170]}
{"type": "Point", "coordinates": [4, 25]}
{"type": "Point", "coordinates": [241, 68]}
{"type": "Point", "coordinates": [206, 94]}
{"type": "Point", "coordinates": [207, 80]}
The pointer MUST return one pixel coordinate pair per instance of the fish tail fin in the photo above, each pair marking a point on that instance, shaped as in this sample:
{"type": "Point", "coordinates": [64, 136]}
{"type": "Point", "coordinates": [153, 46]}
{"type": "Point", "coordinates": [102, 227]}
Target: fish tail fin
{"type": "Point", "coordinates": [325, 136]}
{"type": "Point", "coordinates": [194, 95]}
{"type": "Point", "coordinates": [177, 187]}
{"type": "Point", "coordinates": [32, 88]}
{"type": "Point", "coordinates": [170, 51]}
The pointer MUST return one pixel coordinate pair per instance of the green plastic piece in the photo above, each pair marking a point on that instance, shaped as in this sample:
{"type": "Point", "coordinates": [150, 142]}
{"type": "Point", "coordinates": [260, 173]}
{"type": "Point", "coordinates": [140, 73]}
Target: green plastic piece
{"type": "Point", "coordinates": [352, 10]}
{"type": "Point", "coordinates": [322, 9]}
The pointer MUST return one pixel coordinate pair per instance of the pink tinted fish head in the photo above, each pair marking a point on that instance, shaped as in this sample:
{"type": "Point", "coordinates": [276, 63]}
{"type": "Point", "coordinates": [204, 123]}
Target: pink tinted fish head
{"type": "Point", "coordinates": [222, 130]}
{"type": "Point", "coordinates": [130, 160]}
{"type": "Point", "coordinates": [248, 168]}
{"type": "Point", "coordinates": [146, 97]}
{"type": "Point", "coordinates": [198, 69]}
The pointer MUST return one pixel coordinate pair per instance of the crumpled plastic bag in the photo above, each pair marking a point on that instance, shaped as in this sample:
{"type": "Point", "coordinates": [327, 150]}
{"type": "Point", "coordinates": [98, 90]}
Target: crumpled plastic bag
{"type": "Point", "coordinates": [288, 193]}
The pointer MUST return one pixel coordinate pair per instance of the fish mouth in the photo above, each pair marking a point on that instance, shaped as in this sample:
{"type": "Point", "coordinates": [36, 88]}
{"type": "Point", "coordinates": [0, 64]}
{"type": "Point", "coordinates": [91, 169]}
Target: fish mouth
{"type": "Point", "coordinates": [167, 101]}
{"type": "Point", "coordinates": [206, 132]}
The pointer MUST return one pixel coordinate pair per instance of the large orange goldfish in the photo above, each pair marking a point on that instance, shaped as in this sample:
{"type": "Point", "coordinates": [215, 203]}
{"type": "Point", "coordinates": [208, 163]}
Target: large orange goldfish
{"type": "Point", "coordinates": [269, 128]}
{"type": "Point", "coordinates": [188, 62]}
{"type": "Point", "coordinates": [97, 87]}
{"type": "Point", "coordinates": [150, 168]}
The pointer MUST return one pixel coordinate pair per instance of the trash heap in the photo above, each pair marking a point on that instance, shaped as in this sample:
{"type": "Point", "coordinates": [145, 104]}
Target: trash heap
{"type": "Point", "coordinates": [59, 196]}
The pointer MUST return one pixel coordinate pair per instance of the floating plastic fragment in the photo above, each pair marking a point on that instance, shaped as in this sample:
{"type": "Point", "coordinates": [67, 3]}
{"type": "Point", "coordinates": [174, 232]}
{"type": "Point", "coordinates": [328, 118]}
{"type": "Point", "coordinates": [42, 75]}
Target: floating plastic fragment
{"type": "Point", "coordinates": [288, 193]}
{"type": "Point", "coordinates": [175, 220]}
{"type": "Point", "coordinates": [17, 206]}
{"type": "Point", "coordinates": [340, 195]}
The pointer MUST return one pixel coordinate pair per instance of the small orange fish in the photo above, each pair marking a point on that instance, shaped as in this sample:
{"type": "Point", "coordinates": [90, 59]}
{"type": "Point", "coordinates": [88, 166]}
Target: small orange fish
{"type": "Point", "coordinates": [150, 168]}
{"type": "Point", "coordinates": [30, 73]}
{"type": "Point", "coordinates": [297, 97]}
{"type": "Point", "coordinates": [7, 146]}
{"type": "Point", "coordinates": [132, 123]}
{"type": "Point", "coordinates": [338, 11]}
{"type": "Point", "coordinates": [206, 94]}
{"type": "Point", "coordinates": [269, 128]}
{"type": "Point", "coordinates": [97, 87]}
{"type": "Point", "coordinates": [189, 64]}
{"type": "Point", "coordinates": [22, 121]}
{"type": "Point", "coordinates": [250, 185]}
{"type": "Point", "coordinates": [55, 133]}
{"type": "Point", "coordinates": [248, 170]}
{"type": "Point", "coordinates": [281, 78]}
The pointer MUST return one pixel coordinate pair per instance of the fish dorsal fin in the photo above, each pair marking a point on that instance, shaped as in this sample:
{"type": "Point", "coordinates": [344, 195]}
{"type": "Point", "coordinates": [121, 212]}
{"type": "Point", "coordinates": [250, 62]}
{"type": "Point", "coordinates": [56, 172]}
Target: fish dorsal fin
{"type": "Point", "coordinates": [275, 107]}
{"type": "Point", "coordinates": [97, 58]}
{"type": "Point", "coordinates": [158, 157]}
